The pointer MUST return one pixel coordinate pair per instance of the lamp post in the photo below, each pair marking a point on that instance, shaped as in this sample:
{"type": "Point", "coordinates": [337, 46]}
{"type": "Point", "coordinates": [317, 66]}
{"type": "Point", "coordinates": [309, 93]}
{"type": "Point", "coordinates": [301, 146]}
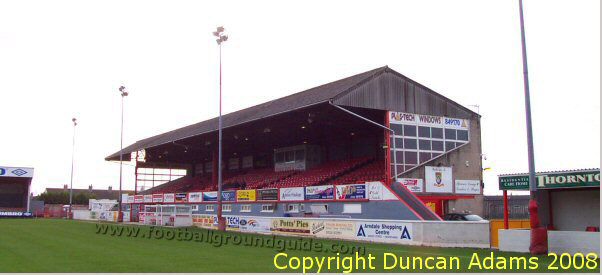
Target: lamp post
{"type": "Point", "coordinates": [74, 120]}
{"type": "Point", "coordinates": [124, 93]}
{"type": "Point", "coordinates": [221, 38]}
{"type": "Point", "coordinates": [538, 234]}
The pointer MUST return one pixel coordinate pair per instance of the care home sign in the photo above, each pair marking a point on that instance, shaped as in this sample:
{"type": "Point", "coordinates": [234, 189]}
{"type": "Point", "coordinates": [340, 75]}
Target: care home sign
{"type": "Point", "coordinates": [552, 180]}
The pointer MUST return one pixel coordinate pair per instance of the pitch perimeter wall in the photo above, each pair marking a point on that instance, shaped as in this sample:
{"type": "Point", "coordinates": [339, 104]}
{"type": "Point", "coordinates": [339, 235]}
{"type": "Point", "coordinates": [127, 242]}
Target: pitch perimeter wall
{"type": "Point", "coordinates": [421, 233]}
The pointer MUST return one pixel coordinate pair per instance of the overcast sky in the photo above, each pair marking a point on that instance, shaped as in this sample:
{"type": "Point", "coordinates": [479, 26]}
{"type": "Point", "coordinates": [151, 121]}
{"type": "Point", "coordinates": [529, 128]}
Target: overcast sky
{"type": "Point", "coordinates": [60, 59]}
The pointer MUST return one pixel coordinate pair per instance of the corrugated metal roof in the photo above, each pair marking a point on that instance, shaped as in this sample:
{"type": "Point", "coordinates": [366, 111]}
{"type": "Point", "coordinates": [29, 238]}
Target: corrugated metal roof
{"type": "Point", "coordinates": [339, 90]}
{"type": "Point", "coordinates": [393, 91]}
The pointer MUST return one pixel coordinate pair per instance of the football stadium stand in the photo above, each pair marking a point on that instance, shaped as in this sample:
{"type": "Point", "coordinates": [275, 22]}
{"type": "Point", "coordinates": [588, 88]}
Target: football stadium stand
{"type": "Point", "coordinates": [376, 126]}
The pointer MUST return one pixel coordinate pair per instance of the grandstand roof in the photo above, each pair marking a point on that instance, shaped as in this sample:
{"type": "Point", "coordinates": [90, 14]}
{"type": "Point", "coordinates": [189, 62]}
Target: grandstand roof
{"type": "Point", "coordinates": [358, 91]}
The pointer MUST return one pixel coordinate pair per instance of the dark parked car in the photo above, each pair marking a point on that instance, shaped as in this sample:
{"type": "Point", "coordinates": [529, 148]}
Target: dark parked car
{"type": "Point", "coordinates": [462, 217]}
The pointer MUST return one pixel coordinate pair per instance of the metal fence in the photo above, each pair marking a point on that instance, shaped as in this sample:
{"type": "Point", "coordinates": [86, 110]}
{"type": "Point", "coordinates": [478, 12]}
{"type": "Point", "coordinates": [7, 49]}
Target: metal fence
{"type": "Point", "coordinates": [518, 207]}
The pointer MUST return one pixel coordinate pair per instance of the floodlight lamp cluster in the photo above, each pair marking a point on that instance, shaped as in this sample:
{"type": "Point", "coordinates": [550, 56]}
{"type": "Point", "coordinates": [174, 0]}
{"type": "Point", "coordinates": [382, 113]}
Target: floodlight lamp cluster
{"type": "Point", "coordinates": [221, 37]}
{"type": "Point", "coordinates": [123, 91]}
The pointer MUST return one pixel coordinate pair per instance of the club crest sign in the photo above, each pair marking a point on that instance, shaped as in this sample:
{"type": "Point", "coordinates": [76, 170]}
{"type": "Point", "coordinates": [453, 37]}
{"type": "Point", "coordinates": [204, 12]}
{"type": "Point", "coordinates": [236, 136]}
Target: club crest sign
{"type": "Point", "coordinates": [438, 179]}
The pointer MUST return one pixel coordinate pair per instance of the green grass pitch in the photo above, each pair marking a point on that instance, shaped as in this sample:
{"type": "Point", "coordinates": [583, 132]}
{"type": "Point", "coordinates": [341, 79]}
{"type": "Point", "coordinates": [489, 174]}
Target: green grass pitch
{"type": "Point", "coordinates": [52, 245]}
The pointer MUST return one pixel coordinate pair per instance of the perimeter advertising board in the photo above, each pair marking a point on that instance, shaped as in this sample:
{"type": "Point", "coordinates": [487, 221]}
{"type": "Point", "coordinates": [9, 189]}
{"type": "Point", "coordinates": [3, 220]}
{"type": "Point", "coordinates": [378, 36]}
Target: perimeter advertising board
{"type": "Point", "coordinates": [228, 195]}
{"type": "Point", "coordinates": [291, 226]}
{"type": "Point", "coordinates": [130, 199]}
{"type": "Point", "coordinates": [267, 194]}
{"type": "Point", "coordinates": [351, 192]}
{"type": "Point", "coordinates": [323, 192]}
{"type": "Point", "coordinates": [15, 214]}
{"type": "Point", "coordinates": [210, 196]}
{"type": "Point", "coordinates": [254, 224]}
{"type": "Point", "coordinates": [245, 195]}
{"type": "Point", "coordinates": [169, 197]}
{"type": "Point", "coordinates": [181, 197]}
{"type": "Point", "coordinates": [206, 221]}
{"type": "Point", "coordinates": [438, 179]}
{"type": "Point", "coordinates": [148, 198]}
{"type": "Point", "coordinates": [157, 197]}
{"type": "Point", "coordinates": [141, 218]}
{"type": "Point", "coordinates": [232, 222]}
{"type": "Point", "coordinates": [384, 231]}
{"type": "Point", "coordinates": [414, 185]}
{"type": "Point", "coordinates": [375, 191]}
{"type": "Point", "coordinates": [110, 216]}
{"type": "Point", "coordinates": [333, 229]}
{"type": "Point", "coordinates": [138, 198]}
{"type": "Point", "coordinates": [195, 197]}
{"type": "Point", "coordinates": [292, 194]}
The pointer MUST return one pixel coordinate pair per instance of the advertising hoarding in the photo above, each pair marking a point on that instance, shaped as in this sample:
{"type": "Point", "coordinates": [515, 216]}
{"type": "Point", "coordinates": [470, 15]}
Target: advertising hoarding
{"type": "Point", "coordinates": [195, 197]}
{"type": "Point", "coordinates": [375, 191]}
{"type": "Point", "coordinates": [210, 196]}
{"type": "Point", "coordinates": [232, 222]}
{"type": "Point", "coordinates": [169, 197]}
{"type": "Point", "coordinates": [148, 198]}
{"type": "Point", "coordinates": [333, 229]}
{"type": "Point", "coordinates": [291, 226]}
{"type": "Point", "coordinates": [468, 187]}
{"type": "Point", "coordinates": [267, 194]}
{"type": "Point", "coordinates": [323, 192]}
{"type": "Point", "coordinates": [428, 120]}
{"type": "Point", "coordinates": [254, 224]}
{"type": "Point", "coordinates": [384, 231]}
{"type": "Point", "coordinates": [157, 197]}
{"type": "Point", "coordinates": [181, 197]}
{"type": "Point", "coordinates": [292, 194]}
{"type": "Point", "coordinates": [228, 195]}
{"type": "Point", "coordinates": [351, 192]}
{"type": "Point", "coordinates": [206, 221]}
{"type": "Point", "coordinates": [399, 117]}
{"type": "Point", "coordinates": [414, 185]}
{"type": "Point", "coordinates": [455, 123]}
{"type": "Point", "coordinates": [110, 216]}
{"type": "Point", "coordinates": [245, 195]}
{"type": "Point", "coordinates": [138, 198]}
